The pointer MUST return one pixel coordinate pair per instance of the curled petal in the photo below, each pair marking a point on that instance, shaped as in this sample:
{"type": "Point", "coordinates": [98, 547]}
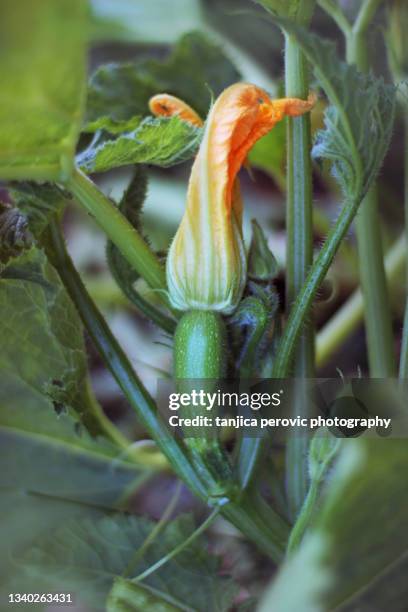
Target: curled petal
{"type": "Point", "coordinates": [206, 264]}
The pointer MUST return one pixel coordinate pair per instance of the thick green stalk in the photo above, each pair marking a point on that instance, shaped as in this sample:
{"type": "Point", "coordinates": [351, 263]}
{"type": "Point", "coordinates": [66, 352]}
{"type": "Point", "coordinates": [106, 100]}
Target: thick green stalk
{"type": "Point", "coordinates": [246, 514]}
{"type": "Point", "coordinates": [403, 366]}
{"type": "Point", "coordinates": [118, 229]}
{"type": "Point", "coordinates": [299, 257]}
{"type": "Point", "coordinates": [371, 259]}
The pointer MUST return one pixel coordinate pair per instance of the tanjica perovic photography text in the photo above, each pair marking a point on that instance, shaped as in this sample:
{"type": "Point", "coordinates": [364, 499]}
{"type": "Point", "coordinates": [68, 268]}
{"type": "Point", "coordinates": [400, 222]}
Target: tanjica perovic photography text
{"type": "Point", "coordinates": [204, 305]}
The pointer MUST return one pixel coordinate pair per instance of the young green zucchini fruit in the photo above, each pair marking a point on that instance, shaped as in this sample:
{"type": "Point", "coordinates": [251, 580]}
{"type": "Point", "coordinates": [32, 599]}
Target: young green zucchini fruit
{"type": "Point", "coordinates": [200, 361]}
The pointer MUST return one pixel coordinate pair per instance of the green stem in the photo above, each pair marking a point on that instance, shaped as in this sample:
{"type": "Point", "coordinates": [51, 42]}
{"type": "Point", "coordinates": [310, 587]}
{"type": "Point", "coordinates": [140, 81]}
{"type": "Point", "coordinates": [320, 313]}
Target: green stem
{"type": "Point", "coordinates": [349, 316]}
{"type": "Point", "coordinates": [118, 229]}
{"type": "Point", "coordinates": [403, 366]}
{"type": "Point", "coordinates": [270, 536]}
{"type": "Point", "coordinates": [371, 259]}
{"type": "Point", "coordinates": [116, 360]}
{"type": "Point", "coordinates": [305, 516]}
{"type": "Point", "coordinates": [299, 227]}
{"type": "Point", "coordinates": [337, 14]}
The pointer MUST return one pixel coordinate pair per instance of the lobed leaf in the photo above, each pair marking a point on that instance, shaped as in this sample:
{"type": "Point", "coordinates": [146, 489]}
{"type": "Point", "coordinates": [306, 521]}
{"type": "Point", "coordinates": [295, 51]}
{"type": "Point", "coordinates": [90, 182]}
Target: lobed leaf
{"type": "Point", "coordinates": [160, 142]}
{"type": "Point", "coordinates": [195, 71]}
{"type": "Point", "coordinates": [88, 557]}
{"type": "Point", "coordinates": [358, 124]}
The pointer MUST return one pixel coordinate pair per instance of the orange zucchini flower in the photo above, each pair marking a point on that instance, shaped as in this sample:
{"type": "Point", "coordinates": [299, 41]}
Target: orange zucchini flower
{"type": "Point", "coordinates": [206, 264]}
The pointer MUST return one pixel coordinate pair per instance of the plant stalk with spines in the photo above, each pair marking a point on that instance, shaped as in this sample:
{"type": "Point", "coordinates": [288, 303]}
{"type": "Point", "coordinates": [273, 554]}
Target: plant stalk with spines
{"type": "Point", "coordinates": [369, 241]}
{"type": "Point", "coordinates": [119, 231]}
{"type": "Point", "coordinates": [299, 249]}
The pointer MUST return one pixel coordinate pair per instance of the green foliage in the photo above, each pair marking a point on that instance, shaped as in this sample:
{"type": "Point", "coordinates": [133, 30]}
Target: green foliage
{"type": "Point", "coordinates": [118, 97]}
{"type": "Point", "coordinates": [269, 154]}
{"type": "Point", "coordinates": [43, 74]}
{"type": "Point", "coordinates": [359, 121]}
{"type": "Point", "coordinates": [41, 331]}
{"type": "Point", "coordinates": [194, 71]}
{"type": "Point", "coordinates": [363, 511]}
{"type": "Point", "coordinates": [160, 142]}
{"type": "Point", "coordinates": [52, 467]}
{"type": "Point", "coordinates": [107, 549]}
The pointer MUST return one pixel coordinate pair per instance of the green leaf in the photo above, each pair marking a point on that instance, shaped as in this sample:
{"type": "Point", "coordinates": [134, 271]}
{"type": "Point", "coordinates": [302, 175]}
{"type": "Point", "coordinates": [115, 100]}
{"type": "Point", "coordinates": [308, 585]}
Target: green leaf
{"type": "Point", "coordinates": [143, 21]}
{"type": "Point", "coordinates": [42, 64]}
{"type": "Point", "coordinates": [195, 71]}
{"type": "Point", "coordinates": [41, 333]}
{"type": "Point", "coordinates": [86, 556]}
{"type": "Point", "coordinates": [364, 510]}
{"type": "Point", "coordinates": [52, 468]}
{"type": "Point", "coordinates": [160, 142]}
{"type": "Point", "coordinates": [358, 122]}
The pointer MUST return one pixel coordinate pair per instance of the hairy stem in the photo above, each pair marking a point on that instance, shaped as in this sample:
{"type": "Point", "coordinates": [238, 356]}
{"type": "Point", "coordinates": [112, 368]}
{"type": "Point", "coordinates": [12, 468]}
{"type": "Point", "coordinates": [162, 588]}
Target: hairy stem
{"type": "Point", "coordinates": [299, 257]}
{"type": "Point", "coordinates": [371, 260]}
{"type": "Point", "coordinates": [118, 229]}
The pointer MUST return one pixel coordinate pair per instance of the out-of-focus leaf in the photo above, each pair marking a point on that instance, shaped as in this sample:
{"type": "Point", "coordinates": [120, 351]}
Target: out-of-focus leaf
{"type": "Point", "coordinates": [42, 63]}
{"type": "Point", "coordinates": [85, 557]}
{"type": "Point", "coordinates": [42, 340]}
{"type": "Point", "coordinates": [355, 556]}
{"type": "Point", "coordinates": [194, 70]}
{"type": "Point", "coordinates": [144, 21]}
{"type": "Point", "coordinates": [269, 154]}
{"type": "Point", "coordinates": [52, 468]}
{"type": "Point", "coordinates": [160, 142]}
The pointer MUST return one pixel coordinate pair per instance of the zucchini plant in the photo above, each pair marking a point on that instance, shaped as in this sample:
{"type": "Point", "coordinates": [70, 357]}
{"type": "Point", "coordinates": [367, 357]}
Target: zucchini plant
{"type": "Point", "coordinates": [194, 122]}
